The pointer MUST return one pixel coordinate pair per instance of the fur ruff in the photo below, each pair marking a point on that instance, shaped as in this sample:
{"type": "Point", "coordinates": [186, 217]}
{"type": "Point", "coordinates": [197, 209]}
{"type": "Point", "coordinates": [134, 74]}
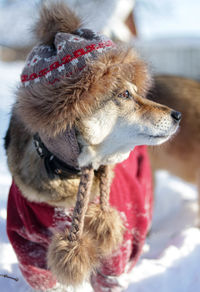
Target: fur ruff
{"type": "Point", "coordinates": [72, 261]}
{"type": "Point", "coordinates": [51, 109]}
{"type": "Point", "coordinates": [106, 227]}
{"type": "Point", "coordinates": [75, 98]}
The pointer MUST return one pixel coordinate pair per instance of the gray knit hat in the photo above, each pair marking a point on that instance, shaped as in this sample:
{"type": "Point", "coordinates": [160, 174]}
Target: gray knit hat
{"type": "Point", "coordinates": [66, 58]}
{"type": "Point", "coordinates": [49, 64]}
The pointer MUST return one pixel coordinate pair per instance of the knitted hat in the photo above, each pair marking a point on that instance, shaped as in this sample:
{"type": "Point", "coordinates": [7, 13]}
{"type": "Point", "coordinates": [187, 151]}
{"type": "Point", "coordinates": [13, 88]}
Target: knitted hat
{"type": "Point", "coordinates": [66, 58]}
{"type": "Point", "coordinates": [48, 65]}
{"type": "Point", "coordinates": [65, 78]}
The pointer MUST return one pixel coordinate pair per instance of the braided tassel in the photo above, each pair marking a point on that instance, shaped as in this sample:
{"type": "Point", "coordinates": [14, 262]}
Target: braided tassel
{"type": "Point", "coordinates": [72, 255]}
{"type": "Point", "coordinates": [102, 221]}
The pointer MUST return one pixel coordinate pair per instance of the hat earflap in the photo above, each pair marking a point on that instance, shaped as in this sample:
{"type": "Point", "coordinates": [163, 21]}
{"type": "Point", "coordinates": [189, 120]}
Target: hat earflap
{"type": "Point", "coordinates": [95, 232]}
{"type": "Point", "coordinates": [102, 221]}
{"type": "Point", "coordinates": [72, 255]}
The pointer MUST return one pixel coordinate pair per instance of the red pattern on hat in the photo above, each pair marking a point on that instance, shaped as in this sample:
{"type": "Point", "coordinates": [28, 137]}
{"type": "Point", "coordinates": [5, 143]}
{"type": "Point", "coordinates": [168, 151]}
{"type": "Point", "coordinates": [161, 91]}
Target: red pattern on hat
{"type": "Point", "coordinates": [68, 58]}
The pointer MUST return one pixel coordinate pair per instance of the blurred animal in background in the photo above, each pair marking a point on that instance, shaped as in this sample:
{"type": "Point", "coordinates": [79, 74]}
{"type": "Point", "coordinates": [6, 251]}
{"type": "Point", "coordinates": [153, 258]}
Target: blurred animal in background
{"type": "Point", "coordinates": [181, 156]}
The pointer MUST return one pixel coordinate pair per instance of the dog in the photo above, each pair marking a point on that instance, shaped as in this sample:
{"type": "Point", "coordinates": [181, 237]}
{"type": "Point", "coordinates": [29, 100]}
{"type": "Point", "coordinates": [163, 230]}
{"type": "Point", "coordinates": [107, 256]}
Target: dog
{"type": "Point", "coordinates": [180, 157]}
{"type": "Point", "coordinates": [79, 113]}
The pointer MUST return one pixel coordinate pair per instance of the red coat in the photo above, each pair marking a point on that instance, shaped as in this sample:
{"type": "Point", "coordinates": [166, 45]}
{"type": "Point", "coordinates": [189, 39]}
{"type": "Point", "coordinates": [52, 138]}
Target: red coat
{"type": "Point", "coordinates": [30, 225]}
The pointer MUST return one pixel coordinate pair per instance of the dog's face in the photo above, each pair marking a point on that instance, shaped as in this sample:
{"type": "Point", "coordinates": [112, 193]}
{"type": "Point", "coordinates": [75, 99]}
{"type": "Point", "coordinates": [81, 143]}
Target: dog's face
{"type": "Point", "coordinates": [106, 105]}
{"type": "Point", "coordinates": [121, 123]}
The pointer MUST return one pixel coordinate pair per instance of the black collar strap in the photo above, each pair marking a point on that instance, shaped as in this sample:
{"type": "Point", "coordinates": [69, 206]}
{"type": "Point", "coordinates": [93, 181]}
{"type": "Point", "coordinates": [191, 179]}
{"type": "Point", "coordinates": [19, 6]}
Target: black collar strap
{"type": "Point", "coordinates": [54, 166]}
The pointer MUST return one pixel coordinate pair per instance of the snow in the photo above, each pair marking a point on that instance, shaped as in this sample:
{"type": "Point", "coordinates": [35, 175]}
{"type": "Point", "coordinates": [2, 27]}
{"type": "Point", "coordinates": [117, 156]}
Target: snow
{"type": "Point", "coordinates": [18, 16]}
{"type": "Point", "coordinates": [167, 18]}
{"type": "Point", "coordinates": [171, 254]}
{"type": "Point", "coordinates": [175, 270]}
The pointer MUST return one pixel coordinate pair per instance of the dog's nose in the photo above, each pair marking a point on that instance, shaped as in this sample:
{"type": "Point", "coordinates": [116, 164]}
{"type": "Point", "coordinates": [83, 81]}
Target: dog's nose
{"type": "Point", "coordinates": [176, 116]}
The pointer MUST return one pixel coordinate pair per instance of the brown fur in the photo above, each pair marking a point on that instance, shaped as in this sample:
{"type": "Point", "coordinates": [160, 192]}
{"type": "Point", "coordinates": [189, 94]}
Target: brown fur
{"type": "Point", "coordinates": [180, 157]}
{"type": "Point", "coordinates": [42, 105]}
{"type": "Point", "coordinates": [106, 227]}
{"type": "Point", "coordinates": [30, 175]}
{"type": "Point", "coordinates": [78, 97]}
{"type": "Point", "coordinates": [53, 18]}
{"type": "Point", "coordinates": [72, 261]}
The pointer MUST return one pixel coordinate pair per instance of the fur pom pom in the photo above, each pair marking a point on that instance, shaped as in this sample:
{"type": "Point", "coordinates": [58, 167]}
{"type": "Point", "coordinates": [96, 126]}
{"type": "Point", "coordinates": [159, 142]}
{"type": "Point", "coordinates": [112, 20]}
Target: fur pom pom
{"type": "Point", "coordinates": [72, 261]}
{"type": "Point", "coordinates": [106, 227]}
{"type": "Point", "coordinates": [55, 17]}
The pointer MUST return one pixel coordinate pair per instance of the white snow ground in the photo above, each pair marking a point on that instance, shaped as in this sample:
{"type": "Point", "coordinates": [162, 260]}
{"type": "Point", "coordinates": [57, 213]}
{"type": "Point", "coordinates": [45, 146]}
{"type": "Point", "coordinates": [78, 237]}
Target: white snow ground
{"type": "Point", "coordinates": [171, 257]}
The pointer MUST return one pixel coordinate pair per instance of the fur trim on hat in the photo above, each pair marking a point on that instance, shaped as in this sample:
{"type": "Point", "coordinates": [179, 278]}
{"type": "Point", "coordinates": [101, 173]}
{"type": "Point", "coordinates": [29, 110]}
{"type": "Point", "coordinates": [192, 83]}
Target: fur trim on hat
{"type": "Point", "coordinates": [53, 18]}
{"type": "Point", "coordinates": [51, 109]}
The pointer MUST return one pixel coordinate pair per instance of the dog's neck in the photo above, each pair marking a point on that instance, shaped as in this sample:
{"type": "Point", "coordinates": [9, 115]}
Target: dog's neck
{"type": "Point", "coordinates": [89, 156]}
{"type": "Point", "coordinates": [53, 165]}
{"type": "Point", "coordinates": [97, 155]}
{"type": "Point", "coordinates": [70, 151]}
{"type": "Point", "coordinates": [64, 146]}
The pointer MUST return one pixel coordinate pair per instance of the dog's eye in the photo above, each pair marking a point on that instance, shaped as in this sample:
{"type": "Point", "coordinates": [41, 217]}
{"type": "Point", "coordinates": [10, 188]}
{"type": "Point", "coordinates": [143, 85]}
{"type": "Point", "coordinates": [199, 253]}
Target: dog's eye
{"type": "Point", "coordinates": [125, 94]}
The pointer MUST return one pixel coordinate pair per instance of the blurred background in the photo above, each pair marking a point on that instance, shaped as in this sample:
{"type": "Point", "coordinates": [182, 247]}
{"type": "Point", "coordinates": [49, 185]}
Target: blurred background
{"type": "Point", "coordinates": [167, 34]}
